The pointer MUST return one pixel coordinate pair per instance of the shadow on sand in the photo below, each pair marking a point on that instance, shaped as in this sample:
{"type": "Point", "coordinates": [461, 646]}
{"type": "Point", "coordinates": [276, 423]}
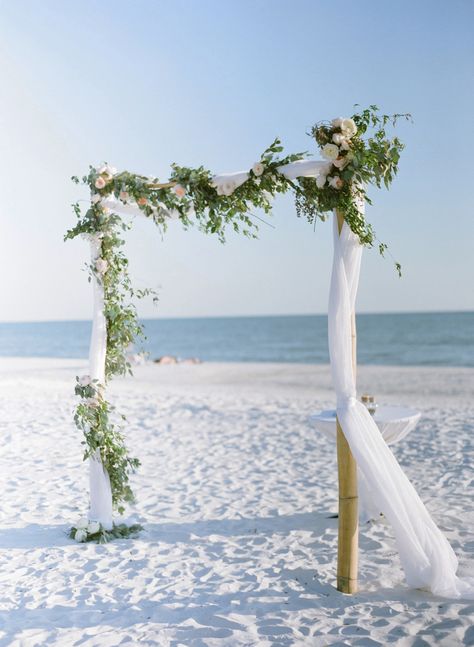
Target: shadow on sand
{"type": "Point", "coordinates": [206, 612]}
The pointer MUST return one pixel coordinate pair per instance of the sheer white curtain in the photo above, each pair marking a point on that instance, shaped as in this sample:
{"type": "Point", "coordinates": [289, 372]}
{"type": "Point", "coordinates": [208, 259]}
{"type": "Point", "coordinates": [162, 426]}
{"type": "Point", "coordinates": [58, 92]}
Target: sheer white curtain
{"type": "Point", "coordinates": [99, 482]}
{"type": "Point", "coordinates": [427, 558]}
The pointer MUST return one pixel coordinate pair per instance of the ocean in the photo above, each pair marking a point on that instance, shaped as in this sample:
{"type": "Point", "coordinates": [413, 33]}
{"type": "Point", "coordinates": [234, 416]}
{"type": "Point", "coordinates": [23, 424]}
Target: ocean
{"type": "Point", "coordinates": [423, 339]}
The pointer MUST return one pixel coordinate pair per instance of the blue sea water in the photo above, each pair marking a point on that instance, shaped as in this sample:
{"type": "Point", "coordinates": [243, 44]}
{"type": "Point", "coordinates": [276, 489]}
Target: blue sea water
{"type": "Point", "coordinates": [431, 339]}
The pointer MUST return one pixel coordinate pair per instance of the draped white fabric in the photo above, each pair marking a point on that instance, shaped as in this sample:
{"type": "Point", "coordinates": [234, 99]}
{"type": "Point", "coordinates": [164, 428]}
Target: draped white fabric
{"type": "Point", "coordinates": [393, 423]}
{"type": "Point", "coordinates": [300, 168]}
{"type": "Point", "coordinates": [427, 558]}
{"type": "Point", "coordinates": [99, 482]}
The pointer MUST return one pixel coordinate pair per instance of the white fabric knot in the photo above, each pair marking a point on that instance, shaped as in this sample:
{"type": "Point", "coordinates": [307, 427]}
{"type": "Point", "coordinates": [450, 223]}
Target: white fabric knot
{"type": "Point", "coordinates": [345, 402]}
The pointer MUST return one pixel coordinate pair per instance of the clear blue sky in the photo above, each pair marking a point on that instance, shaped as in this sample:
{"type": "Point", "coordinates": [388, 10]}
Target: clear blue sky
{"type": "Point", "coordinates": [144, 83]}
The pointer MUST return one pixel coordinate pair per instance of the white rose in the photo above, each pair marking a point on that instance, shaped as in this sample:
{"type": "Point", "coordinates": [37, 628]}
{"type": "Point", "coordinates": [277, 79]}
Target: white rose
{"type": "Point", "coordinates": [330, 151]}
{"type": "Point", "coordinates": [336, 123]}
{"type": "Point", "coordinates": [96, 198]}
{"type": "Point", "coordinates": [345, 145]}
{"type": "Point", "coordinates": [337, 138]}
{"type": "Point", "coordinates": [258, 169]}
{"type": "Point", "coordinates": [101, 265]}
{"type": "Point", "coordinates": [348, 127]}
{"type": "Point", "coordinates": [85, 380]}
{"type": "Point", "coordinates": [93, 527]}
{"type": "Point", "coordinates": [82, 523]}
{"type": "Point", "coordinates": [92, 402]}
{"type": "Point", "coordinates": [80, 535]}
{"type": "Point", "coordinates": [341, 163]}
{"type": "Point", "coordinates": [336, 182]}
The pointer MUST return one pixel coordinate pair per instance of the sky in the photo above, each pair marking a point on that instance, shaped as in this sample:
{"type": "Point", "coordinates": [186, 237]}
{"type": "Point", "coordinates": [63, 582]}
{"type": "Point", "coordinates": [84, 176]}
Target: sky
{"type": "Point", "coordinates": [142, 84]}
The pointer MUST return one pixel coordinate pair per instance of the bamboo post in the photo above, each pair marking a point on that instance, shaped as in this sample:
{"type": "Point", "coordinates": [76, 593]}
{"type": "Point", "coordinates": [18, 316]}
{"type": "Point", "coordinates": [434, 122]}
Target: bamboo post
{"type": "Point", "coordinates": [348, 533]}
{"type": "Point", "coordinates": [161, 185]}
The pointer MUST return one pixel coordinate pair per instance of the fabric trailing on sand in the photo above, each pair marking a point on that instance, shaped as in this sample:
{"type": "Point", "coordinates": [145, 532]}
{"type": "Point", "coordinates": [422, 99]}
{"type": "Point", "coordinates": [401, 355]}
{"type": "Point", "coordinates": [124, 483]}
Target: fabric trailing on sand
{"type": "Point", "coordinates": [427, 557]}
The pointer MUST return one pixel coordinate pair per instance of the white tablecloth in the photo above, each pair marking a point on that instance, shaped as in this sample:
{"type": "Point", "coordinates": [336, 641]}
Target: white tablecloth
{"type": "Point", "coordinates": [394, 422]}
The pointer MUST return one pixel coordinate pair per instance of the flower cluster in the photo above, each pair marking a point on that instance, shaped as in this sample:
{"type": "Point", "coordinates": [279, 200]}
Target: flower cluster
{"type": "Point", "coordinates": [85, 530]}
{"type": "Point", "coordinates": [354, 162]}
{"type": "Point", "coordinates": [105, 175]}
{"type": "Point", "coordinates": [101, 266]}
{"type": "Point", "coordinates": [337, 151]}
{"type": "Point", "coordinates": [92, 531]}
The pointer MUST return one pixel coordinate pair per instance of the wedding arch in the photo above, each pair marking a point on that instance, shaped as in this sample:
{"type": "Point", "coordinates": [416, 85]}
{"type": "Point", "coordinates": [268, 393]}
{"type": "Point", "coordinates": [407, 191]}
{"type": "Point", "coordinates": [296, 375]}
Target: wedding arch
{"type": "Point", "coordinates": [357, 153]}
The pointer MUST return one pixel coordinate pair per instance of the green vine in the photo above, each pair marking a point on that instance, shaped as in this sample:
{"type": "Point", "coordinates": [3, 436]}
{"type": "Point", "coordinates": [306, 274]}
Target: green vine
{"type": "Point", "coordinates": [94, 416]}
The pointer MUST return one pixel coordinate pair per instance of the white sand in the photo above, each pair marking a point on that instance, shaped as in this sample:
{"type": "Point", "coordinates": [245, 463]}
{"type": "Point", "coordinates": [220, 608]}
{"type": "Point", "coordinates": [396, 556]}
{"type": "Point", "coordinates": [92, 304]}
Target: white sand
{"type": "Point", "coordinates": [235, 492]}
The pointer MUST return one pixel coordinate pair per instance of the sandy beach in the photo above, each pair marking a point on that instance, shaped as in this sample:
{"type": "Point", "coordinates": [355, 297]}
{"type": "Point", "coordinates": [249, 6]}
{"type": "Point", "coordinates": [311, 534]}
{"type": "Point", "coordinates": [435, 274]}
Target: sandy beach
{"type": "Point", "coordinates": [236, 493]}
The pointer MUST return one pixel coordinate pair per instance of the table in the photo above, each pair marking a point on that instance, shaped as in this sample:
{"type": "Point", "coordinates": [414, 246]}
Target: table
{"type": "Point", "coordinates": [394, 422]}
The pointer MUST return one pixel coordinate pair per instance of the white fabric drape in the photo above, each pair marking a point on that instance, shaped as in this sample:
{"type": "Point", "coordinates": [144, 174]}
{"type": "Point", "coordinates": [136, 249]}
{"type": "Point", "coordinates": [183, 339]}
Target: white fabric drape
{"type": "Point", "coordinates": [427, 558]}
{"type": "Point", "coordinates": [300, 168]}
{"type": "Point", "coordinates": [393, 423]}
{"type": "Point", "coordinates": [99, 482]}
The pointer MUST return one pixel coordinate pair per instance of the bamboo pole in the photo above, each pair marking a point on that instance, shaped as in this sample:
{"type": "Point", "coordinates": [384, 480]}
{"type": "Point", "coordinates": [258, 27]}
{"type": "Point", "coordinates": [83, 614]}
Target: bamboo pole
{"type": "Point", "coordinates": [348, 533]}
{"type": "Point", "coordinates": [161, 185]}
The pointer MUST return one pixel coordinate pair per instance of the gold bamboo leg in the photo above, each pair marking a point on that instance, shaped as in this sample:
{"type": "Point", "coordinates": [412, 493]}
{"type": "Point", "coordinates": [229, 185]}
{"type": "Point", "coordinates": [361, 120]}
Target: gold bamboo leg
{"type": "Point", "coordinates": [348, 534]}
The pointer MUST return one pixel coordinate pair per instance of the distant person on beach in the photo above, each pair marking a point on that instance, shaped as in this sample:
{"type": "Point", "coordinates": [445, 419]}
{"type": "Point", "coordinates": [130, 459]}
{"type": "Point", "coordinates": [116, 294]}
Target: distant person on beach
{"type": "Point", "coordinates": [171, 359]}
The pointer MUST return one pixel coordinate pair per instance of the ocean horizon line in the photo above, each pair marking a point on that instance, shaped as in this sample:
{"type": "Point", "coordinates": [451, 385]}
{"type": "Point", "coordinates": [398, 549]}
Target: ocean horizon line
{"type": "Point", "coordinates": [246, 316]}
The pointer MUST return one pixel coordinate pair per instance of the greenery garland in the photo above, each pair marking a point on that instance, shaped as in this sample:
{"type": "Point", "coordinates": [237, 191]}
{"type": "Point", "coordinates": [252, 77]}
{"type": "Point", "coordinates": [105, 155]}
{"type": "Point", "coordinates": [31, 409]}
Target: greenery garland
{"type": "Point", "coordinates": [191, 194]}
